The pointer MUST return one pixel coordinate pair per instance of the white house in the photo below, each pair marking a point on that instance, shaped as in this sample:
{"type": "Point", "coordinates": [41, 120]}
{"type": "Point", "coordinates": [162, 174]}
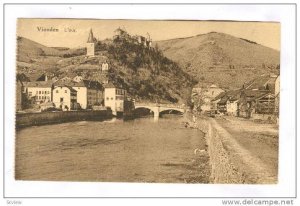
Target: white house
{"type": "Point", "coordinates": [39, 91]}
{"type": "Point", "coordinates": [232, 107]}
{"type": "Point", "coordinates": [104, 66]}
{"type": "Point", "coordinates": [64, 97]}
{"type": "Point", "coordinates": [77, 78]}
{"type": "Point", "coordinates": [114, 98]}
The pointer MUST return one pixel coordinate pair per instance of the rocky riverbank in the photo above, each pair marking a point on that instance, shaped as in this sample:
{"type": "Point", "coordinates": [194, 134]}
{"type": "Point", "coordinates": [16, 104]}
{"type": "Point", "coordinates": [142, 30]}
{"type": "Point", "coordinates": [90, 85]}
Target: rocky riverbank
{"type": "Point", "coordinates": [233, 150]}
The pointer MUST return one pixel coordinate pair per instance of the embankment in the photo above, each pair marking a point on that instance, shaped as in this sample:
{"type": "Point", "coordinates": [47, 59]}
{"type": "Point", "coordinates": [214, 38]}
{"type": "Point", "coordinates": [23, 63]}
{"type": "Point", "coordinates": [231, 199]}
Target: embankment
{"type": "Point", "coordinates": [42, 118]}
{"type": "Point", "coordinates": [223, 170]}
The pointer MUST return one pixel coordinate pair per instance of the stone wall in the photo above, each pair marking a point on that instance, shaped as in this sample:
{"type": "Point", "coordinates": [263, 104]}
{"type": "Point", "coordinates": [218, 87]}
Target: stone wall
{"type": "Point", "coordinates": [34, 119]}
{"type": "Point", "coordinates": [223, 170]}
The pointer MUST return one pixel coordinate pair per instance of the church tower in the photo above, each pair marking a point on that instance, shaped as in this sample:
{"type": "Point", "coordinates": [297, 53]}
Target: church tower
{"type": "Point", "coordinates": [90, 45]}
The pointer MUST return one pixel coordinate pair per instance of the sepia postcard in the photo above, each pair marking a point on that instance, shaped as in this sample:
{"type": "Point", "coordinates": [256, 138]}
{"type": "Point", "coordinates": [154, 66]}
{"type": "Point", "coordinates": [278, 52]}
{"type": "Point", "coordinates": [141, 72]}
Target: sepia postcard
{"type": "Point", "coordinates": [147, 101]}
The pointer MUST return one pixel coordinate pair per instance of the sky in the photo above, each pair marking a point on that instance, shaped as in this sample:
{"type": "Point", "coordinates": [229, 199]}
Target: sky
{"type": "Point", "coordinates": [265, 33]}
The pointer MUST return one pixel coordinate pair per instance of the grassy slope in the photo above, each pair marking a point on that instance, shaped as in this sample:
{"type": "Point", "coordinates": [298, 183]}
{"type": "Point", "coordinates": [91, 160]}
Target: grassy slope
{"type": "Point", "coordinates": [210, 57]}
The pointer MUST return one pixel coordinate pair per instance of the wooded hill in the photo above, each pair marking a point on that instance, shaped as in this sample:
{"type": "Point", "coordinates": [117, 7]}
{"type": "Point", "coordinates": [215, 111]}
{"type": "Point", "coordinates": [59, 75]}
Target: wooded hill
{"type": "Point", "coordinates": [143, 71]}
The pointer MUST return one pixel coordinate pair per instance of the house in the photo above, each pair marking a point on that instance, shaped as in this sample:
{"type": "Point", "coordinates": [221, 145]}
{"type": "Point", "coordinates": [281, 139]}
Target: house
{"type": "Point", "coordinates": [65, 97]}
{"type": "Point", "coordinates": [89, 93]}
{"type": "Point", "coordinates": [77, 78]}
{"type": "Point", "coordinates": [90, 44]}
{"type": "Point", "coordinates": [39, 91]}
{"type": "Point", "coordinates": [104, 66]}
{"type": "Point", "coordinates": [265, 104]}
{"type": "Point", "coordinates": [222, 105]}
{"type": "Point", "coordinates": [247, 102]}
{"type": "Point", "coordinates": [114, 98]}
{"type": "Point", "coordinates": [232, 107]}
{"type": "Point", "coordinates": [215, 102]}
{"type": "Point", "coordinates": [203, 94]}
{"type": "Point", "coordinates": [227, 102]}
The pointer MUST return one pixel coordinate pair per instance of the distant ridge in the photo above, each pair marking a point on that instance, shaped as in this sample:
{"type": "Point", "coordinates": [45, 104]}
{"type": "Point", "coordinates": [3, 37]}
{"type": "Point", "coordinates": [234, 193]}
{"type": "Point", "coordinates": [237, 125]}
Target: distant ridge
{"type": "Point", "coordinates": [221, 58]}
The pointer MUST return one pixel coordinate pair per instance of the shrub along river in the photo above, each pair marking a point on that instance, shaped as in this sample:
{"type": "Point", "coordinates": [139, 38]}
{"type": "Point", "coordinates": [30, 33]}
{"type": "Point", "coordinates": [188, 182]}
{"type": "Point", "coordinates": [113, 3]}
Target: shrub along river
{"type": "Point", "coordinates": [139, 150]}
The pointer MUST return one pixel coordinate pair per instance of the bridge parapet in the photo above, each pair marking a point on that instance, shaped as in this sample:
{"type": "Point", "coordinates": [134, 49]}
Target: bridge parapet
{"type": "Point", "coordinates": [159, 105]}
{"type": "Point", "coordinates": [157, 108]}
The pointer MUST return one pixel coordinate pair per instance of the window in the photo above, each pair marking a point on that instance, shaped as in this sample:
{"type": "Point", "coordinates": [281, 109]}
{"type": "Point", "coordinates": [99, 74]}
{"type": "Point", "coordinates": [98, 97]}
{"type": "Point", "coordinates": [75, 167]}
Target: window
{"type": "Point", "coordinates": [56, 91]}
{"type": "Point", "coordinates": [112, 98]}
{"type": "Point", "coordinates": [29, 94]}
{"type": "Point", "coordinates": [66, 91]}
{"type": "Point", "coordinates": [107, 98]}
{"type": "Point", "coordinates": [40, 92]}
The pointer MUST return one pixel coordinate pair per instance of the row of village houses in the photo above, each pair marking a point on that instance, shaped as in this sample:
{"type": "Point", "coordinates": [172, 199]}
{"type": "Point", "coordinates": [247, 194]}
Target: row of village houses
{"type": "Point", "coordinates": [259, 96]}
{"type": "Point", "coordinates": [74, 94]}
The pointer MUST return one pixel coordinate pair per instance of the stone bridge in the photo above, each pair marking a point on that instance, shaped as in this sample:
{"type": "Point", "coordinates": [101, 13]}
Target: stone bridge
{"type": "Point", "coordinates": [158, 108]}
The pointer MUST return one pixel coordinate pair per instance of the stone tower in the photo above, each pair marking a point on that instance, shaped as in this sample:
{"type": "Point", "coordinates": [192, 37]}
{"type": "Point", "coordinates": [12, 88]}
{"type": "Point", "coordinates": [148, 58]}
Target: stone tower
{"type": "Point", "coordinates": [90, 44]}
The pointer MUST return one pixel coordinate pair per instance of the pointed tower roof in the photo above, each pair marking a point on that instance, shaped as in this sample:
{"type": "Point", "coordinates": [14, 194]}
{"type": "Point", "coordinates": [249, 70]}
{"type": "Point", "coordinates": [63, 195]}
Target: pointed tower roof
{"type": "Point", "coordinates": [91, 38]}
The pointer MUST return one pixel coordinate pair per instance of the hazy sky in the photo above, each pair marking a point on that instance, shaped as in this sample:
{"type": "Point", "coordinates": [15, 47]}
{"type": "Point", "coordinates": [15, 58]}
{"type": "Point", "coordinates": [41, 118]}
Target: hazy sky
{"type": "Point", "coordinates": [265, 33]}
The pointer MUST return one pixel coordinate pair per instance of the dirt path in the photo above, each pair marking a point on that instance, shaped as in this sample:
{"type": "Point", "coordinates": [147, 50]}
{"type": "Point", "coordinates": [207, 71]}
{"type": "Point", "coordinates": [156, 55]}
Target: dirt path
{"type": "Point", "coordinates": [252, 148]}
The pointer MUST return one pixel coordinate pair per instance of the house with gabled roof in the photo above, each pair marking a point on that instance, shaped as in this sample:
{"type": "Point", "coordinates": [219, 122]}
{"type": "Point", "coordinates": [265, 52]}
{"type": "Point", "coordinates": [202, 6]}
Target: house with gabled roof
{"type": "Point", "coordinates": [114, 98]}
{"type": "Point", "coordinates": [247, 102]}
{"type": "Point", "coordinates": [39, 91]}
{"type": "Point", "coordinates": [65, 97]}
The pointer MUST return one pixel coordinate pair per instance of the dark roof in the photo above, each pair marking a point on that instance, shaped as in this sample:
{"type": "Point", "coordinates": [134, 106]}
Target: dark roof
{"type": "Point", "coordinates": [219, 96]}
{"type": "Point", "coordinates": [70, 88]}
{"type": "Point", "coordinates": [265, 94]}
{"type": "Point", "coordinates": [43, 84]}
{"type": "Point", "coordinates": [109, 85]}
{"type": "Point", "coordinates": [90, 84]}
{"type": "Point", "coordinates": [253, 94]}
{"type": "Point", "coordinates": [231, 94]}
{"type": "Point", "coordinates": [223, 100]}
{"type": "Point", "coordinates": [261, 82]}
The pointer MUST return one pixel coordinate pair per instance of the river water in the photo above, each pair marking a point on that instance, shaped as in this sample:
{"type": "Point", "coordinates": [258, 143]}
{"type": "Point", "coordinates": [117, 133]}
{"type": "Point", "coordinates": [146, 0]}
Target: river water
{"type": "Point", "coordinates": [140, 150]}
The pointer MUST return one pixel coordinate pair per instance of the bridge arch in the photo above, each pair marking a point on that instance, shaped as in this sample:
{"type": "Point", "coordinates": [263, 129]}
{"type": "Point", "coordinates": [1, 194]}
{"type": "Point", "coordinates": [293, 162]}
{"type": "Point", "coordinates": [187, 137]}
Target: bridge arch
{"type": "Point", "coordinates": [158, 109]}
{"type": "Point", "coordinates": [144, 107]}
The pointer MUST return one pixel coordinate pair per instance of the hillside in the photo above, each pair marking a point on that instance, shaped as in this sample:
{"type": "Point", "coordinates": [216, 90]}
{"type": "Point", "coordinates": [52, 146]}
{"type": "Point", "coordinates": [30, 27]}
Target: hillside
{"type": "Point", "coordinates": [144, 72]}
{"type": "Point", "coordinates": [221, 58]}
{"type": "Point", "coordinates": [28, 50]}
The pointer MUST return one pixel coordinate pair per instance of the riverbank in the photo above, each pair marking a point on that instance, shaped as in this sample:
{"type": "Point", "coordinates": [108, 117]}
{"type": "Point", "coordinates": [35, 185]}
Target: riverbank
{"type": "Point", "coordinates": [44, 118]}
{"type": "Point", "coordinates": [241, 151]}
